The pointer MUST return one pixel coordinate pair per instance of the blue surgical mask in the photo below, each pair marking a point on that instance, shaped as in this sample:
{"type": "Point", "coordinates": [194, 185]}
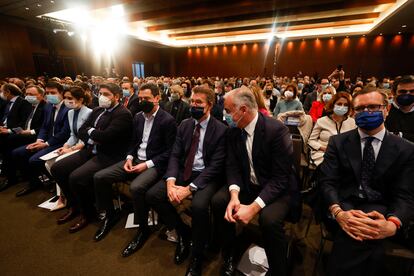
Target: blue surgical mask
{"type": "Point", "coordinates": [53, 99]}
{"type": "Point", "coordinates": [369, 120]}
{"type": "Point", "coordinates": [340, 110]}
{"type": "Point", "coordinates": [126, 93]}
{"type": "Point", "coordinates": [32, 100]}
{"type": "Point", "coordinates": [229, 120]}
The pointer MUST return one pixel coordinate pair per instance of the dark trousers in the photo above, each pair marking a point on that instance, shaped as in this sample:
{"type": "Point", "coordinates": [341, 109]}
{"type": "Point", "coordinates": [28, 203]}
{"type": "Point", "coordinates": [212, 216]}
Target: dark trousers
{"type": "Point", "coordinates": [352, 257]}
{"type": "Point", "coordinates": [29, 162]}
{"type": "Point", "coordinates": [271, 219]}
{"type": "Point", "coordinates": [7, 145]}
{"type": "Point", "coordinates": [75, 173]}
{"type": "Point", "coordinates": [157, 198]}
{"type": "Point", "coordinates": [139, 186]}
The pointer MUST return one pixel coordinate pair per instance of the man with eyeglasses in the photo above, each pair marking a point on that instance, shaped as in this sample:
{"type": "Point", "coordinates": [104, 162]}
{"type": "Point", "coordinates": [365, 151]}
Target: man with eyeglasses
{"type": "Point", "coordinates": [401, 117]}
{"type": "Point", "coordinates": [366, 182]}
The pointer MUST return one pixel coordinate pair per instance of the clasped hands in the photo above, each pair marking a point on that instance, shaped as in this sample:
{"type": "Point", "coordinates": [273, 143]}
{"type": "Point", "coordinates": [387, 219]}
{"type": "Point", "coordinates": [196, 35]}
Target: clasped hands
{"type": "Point", "coordinates": [177, 193]}
{"type": "Point", "coordinates": [365, 226]}
{"type": "Point", "coordinates": [36, 146]}
{"type": "Point", "coordinates": [130, 168]}
{"type": "Point", "coordinates": [237, 212]}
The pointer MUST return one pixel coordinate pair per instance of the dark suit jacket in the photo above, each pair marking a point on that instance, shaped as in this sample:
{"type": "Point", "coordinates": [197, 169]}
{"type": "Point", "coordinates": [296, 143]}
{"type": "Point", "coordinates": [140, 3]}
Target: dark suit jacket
{"type": "Point", "coordinates": [273, 102]}
{"type": "Point", "coordinates": [160, 141]}
{"type": "Point", "coordinates": [214, 152]}
{"type": "Point", "coordinates": [112, 132]}
{"type": "Point", "coordinates": [19, 113]}
{"type": "Point", "coordinates": [183, 111]}
{"type": "Point", "coordinates": [38, 117]}
{"type": "Point", "coordinates": [393, 176]}
{"type": "Point", "coordinates": [61, 126]}
{"type": "Point", "coordinates": [272, 155]}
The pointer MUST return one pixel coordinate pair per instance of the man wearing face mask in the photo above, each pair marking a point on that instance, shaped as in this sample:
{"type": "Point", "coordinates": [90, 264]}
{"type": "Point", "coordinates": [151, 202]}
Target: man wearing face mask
{"type": "Point", "coordinates": [400, 121]}
{"type": "Point", "coordinates": [179, 109]}
{"type": "Point", "coordinates": [194, 168]}
{"type": "Point", "coordinates": [150, 147]}
{"type": "Point", "coordinates": [129, 98]}
{"type": "Point", "coordinates": [366, 181]}
{"type": "Point", "coordinates": [313, 96]}
{"type": "Point", "coordinates": [53, 133]}
{"type": "Point", "coordinates": [106, 135]}
{"type": "Point", "coordinates": [270, 99]}
{"type": "Point", "coordinates": [260, 178]}
{"type": "Point", "coordinates": [22, 136]}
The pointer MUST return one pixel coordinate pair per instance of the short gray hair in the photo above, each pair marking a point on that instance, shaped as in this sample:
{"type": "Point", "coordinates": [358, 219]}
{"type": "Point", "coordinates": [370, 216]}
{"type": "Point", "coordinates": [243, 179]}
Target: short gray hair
{"type": "Point", "coordinates": [243, 96]}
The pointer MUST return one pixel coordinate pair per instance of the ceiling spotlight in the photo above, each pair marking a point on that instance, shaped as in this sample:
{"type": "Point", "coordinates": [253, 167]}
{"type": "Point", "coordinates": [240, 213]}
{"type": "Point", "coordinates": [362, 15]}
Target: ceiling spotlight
{"type": "Point", "coordinates": [39, 5]}
{"type": "Point", "coordinates": [27, 8]}
{"type": "Point", "coordinates": [399, 32]}
{"type": "Point", "coordinates": [363, 35]}
{"type": "Point", "coordinates": [347, 36]}
{"type": "Point", "coordinates": [71, 33]}
{"type": "Point", "coordinates": [380, 33]}
{"type": "Point", "coordinates": [404, 26]}
{"type": "Point", "coordinates": [331, 37]}
{"type": "Point", "coordinates": [52, 2]}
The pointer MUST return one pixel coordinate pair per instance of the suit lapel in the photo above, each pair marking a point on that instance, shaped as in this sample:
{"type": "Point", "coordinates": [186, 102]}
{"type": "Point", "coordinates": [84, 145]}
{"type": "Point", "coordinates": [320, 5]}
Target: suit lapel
{"type": "Point", "coordinates": [208, 135]}
{"type": "Point", "coordinates": [155, 125]}
{"type": "Point", "coordinates": [140, 126]}
{"type": "Point", "coordinates": [386, 156]}
{"type": "Point", "coordinates": [258, 136]}
{"type": "Point", "coordinates": [352, 148]}
{"type": "Point", "coordinates": [188, 137]}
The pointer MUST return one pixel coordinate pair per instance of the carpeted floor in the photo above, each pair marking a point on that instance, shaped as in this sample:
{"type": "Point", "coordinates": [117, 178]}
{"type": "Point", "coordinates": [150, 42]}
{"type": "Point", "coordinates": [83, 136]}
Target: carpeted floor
{"type": "Point", "coordinates": [33, 244]}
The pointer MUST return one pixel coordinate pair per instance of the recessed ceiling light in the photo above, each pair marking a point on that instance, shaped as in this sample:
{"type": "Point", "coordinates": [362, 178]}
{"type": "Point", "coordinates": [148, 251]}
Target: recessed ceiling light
{"type": "Point", "coordinates": [39, 5]}
{"type": "Point", "coordinates": [380, 33]}
{"type": "Point", "coordinates": [52, 2]}
{"type": "Point", "coordinates": [363, 35]}
{"type": "Point", "coordinates": [331, 37]}
{"type": "Point", "coordinates": [27, 8]}
{"type": "Point", "coordinates": [404, 26]}
{"type": "Point", "coordinates": [399, 32]}
{"type": "Point", "coordinates": [347, 36]}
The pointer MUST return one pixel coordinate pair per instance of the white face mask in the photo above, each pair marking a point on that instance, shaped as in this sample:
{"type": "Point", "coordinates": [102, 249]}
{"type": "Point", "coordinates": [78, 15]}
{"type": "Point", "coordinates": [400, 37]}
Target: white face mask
{"type": "Point", "coordinates": [340, 110]}
{"type": "Point", "coordinates": [104, 102]}
{"type": "Point", "coordinates": [70, 104]}
{"type": "Point", "coordinates": [326, 97]}
{"type": "Point", "coordinates": [288, 94]}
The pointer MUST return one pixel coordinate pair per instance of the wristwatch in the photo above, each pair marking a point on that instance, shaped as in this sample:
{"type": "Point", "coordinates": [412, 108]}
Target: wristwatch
{"type": "Point", "coordinates": [193, 188]}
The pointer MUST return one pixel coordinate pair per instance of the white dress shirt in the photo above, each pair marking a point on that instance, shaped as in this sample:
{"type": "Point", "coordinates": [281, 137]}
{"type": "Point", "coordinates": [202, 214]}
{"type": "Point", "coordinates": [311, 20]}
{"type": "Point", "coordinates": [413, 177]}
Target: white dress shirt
{"type": "Point", "coordinates": [249, 145]}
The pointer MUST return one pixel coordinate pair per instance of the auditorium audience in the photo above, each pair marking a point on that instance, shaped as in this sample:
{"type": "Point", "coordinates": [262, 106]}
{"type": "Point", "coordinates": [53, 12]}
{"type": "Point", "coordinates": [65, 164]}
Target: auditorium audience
{"type": "Point", "coordinates": [336, 121]}
{"type": "Point", "coordinates": [53, 133]}
{"type": "Point", "coordinates": [366, 181]}
{"type": "Point", "coordinates": [106, 134]}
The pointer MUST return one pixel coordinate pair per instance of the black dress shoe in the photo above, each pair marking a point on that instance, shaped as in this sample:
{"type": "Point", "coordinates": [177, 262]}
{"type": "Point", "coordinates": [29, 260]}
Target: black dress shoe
{"type": "Point", "coordinates": [82, 223]}
{"type": "Point", "coordinates": [228, 267]}
{"type": "Point", "coordinates": [26, 190]}
{"type": "Point", "coordinates": [182, 250]}
{"type": "Point", "coordinates": [138, 241]}
{"type": "Point", "coordinates": [71, 214]}
{"type": "Point", "coordinates": [194, 269]}
{"type": "Point", "coordinates": [6, 184]}
{"type": "Point", "coordinates": [107, 224]}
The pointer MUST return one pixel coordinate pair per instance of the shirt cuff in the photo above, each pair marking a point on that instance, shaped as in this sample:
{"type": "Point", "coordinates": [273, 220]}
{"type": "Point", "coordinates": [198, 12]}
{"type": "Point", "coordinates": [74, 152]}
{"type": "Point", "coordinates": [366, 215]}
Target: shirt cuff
{"type": "Point", "coordinates": [91, 142]}
{"type": "Point", "coordinates": [194, 186]}
{"type": "Point", "coordinates": [40, 140]}
{"type": "Point", "coordinates": [90, 131]}
{"type": "Point", "coordinates": [129, 157]}
{"type": "Point", "coordinates": [33, 132]}
{"type": "Point", "coordinates": [10, 131]}
{"type": "Point", "coordinates": [260, 201]}
{"type": "Point", "coordinates": [47, 143]}
{"type": "Point", "coordinates": [234, 187]}
{"type": "Point", "coordinates": [171, 178]}
{"type": "Point", "coordinates": [150, 164]}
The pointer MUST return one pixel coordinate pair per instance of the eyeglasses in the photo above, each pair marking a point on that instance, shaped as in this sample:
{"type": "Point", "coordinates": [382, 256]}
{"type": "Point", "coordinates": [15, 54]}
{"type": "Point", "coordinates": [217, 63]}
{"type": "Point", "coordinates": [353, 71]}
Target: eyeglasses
{"type": "Point", "coordinates": [370, 107]}
{"type": "Point", "coordinates": [405, 91]}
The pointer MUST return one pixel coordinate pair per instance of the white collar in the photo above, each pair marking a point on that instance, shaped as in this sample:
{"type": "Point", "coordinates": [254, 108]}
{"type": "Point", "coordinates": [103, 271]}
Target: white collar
{"type": "Point", "coordinates": [380, 135]}
{"type": "Point", "coordinates": [204, 123]}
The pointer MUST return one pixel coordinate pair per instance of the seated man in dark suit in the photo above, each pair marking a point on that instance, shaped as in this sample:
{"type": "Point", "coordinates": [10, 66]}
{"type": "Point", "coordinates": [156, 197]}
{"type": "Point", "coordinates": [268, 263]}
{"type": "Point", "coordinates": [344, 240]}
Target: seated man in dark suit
{"type": "Point", "coordinates": [106, 134]}
{"type": "Point", "coordinates": [53, 133]}
{"type": "Point", "coordinates": [195, 165]}
{"type": "Point", "coordinates": [179, 109]}
{"type": "Point", "coordinates": [153, 136]}
{"type": "Point", "coordinates": [27, 135]}
{"type": "Point", "coordinates": [260, 179]}
{"type": "Point", "coordinates": [129, 98]}
{"type": "Point", "coordinates": [367, 183]}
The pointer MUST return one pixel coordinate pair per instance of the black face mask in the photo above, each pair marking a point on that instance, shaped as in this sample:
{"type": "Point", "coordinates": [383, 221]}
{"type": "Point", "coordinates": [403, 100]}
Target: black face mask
{"type": "Point", "coordinates": [146, 106]}
{"type": "Point", "coordinates": [269, 92]}
{"type": "Point", "coordinates": [197, 112]}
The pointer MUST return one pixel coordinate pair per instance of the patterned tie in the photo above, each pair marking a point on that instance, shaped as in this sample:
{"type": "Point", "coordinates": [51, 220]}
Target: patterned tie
{"type": "Point", "coordinates": [188, 166]}
{"type": "Point", "coordinates": [367, 171]}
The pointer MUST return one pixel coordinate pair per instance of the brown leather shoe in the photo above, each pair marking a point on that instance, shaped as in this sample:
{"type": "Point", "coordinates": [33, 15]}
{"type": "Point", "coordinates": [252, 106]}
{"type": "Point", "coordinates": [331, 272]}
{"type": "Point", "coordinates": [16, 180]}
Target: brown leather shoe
{"type": "Point", "coordinates": [82, 223]}
{"type": "Point", "coordinates": [71, 214]}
